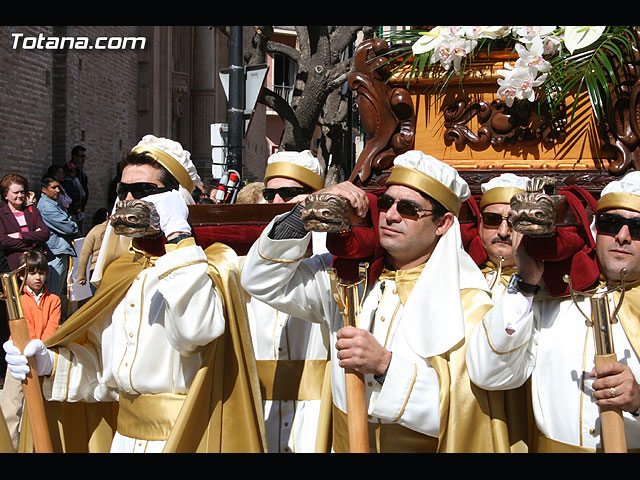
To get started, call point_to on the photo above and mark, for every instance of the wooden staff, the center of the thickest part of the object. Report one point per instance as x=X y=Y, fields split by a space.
x=613 y=435
x=30 y=385
x=346 y=296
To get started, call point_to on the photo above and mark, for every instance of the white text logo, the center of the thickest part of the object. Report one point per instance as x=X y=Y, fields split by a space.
x=42 y=42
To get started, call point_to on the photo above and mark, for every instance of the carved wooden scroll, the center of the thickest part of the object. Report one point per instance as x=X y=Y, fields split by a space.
x=500 y=125
x=620 y=131
x=387 y=113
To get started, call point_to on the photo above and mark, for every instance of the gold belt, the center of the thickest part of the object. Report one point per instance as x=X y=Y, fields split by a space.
x=148 y=417
x=383 y=437
x=291 y=379
x=548 y=445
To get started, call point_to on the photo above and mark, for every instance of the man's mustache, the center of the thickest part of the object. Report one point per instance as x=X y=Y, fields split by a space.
x=501 y=239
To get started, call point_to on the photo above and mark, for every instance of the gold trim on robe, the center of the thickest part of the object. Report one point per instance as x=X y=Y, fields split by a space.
x=222 y=411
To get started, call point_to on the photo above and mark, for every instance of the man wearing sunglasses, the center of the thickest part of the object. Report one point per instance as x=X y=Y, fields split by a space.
x=143 y=338
x=495 y=230
x=547 y=342
x=410 y=341
x=283 y=343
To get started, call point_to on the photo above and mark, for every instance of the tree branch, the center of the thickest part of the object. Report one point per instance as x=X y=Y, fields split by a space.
x=274 y=101
x=284 y=49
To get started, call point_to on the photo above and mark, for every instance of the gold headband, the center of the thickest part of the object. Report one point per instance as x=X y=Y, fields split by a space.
x=499 y=195
x=412 y=178
x=167 y=161
x=628 y=201
x=294 y=172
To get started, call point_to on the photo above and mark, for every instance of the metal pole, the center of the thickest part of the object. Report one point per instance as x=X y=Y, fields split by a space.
x=236 y=101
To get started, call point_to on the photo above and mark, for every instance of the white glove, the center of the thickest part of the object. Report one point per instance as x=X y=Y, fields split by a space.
x=17 y=363
x=173 y=212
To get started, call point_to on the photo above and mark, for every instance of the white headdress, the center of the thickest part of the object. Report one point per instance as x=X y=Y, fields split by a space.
x=623 y=193
x=500 y=189
x=177 y=161
x=430 y=328
x=300 y=166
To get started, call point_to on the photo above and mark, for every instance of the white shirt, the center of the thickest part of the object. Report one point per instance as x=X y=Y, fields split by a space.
x=152 y=341
x=410 y=394
x=552 y=345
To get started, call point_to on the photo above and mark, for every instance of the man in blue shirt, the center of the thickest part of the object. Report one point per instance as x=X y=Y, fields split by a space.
x=63 y=229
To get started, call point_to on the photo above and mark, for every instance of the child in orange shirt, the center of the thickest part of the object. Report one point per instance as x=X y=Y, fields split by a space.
x=42 y=313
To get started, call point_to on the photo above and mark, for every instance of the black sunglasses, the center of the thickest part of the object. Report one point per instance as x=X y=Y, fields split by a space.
x=610 y=223
x=404 y=207
x=286 y=193
x=139 y=190
x=493 y=220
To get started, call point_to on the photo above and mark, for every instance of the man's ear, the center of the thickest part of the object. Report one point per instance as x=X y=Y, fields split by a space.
x=445 y=223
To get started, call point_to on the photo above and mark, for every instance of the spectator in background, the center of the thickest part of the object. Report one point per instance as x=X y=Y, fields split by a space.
x=76 y=168
x=62 y=231
x=42 y=313
x=57 y=171
x=72 y=185
x=91 y=247
x=21 y=225
x=210 y=191
x=251 y=193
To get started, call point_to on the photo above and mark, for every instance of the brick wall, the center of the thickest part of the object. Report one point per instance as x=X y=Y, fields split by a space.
x=53 y=100
x=26 y=106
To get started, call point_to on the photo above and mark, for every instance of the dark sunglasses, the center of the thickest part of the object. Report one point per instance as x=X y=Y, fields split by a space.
x=493 y=220
x=139 y=190
x=286 y=193
x=610 y=223
x=404 y=207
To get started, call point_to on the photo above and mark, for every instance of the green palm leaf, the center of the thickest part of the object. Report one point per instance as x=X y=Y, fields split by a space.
x=591 y=70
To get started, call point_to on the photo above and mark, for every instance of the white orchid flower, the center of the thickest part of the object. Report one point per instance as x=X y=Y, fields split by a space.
x=533 y=56
x=551 y=44
x=519 y=83
x=428 y=40
x=493 y=32
x=452 y=50
x=527 y=34
x=580 y=37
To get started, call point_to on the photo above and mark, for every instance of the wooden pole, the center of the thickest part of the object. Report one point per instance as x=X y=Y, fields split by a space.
x=613 y=434
x=614 y=438
x=357 y=412
x=357 y=419
x=30 y=385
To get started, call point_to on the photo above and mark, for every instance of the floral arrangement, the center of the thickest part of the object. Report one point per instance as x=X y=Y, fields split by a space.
x=549 y=62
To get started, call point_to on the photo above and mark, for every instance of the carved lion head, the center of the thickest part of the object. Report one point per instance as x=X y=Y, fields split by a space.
x=135 y=218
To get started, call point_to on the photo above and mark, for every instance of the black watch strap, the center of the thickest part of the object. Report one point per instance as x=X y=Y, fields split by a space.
x=516 y=284
x=179 y=238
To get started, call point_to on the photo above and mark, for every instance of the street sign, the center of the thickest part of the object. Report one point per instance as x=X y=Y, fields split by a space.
x=255 y=76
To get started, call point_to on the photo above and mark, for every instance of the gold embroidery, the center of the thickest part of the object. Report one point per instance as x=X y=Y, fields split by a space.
x=486 y=331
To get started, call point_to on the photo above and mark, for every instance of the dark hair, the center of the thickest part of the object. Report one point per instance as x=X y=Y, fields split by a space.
x=11 y=178
x=35 y=260
x=100 y=216
x=46 y=181
x=438 y=209
x=77 y=149
x=144 y=158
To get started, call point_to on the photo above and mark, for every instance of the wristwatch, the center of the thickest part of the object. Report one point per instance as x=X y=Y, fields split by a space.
x=516 y=284
x=180 y=237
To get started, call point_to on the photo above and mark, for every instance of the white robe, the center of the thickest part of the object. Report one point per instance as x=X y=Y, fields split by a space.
x=148 y=350
x=291 y=425
x=410 y=394
x=552 y=345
